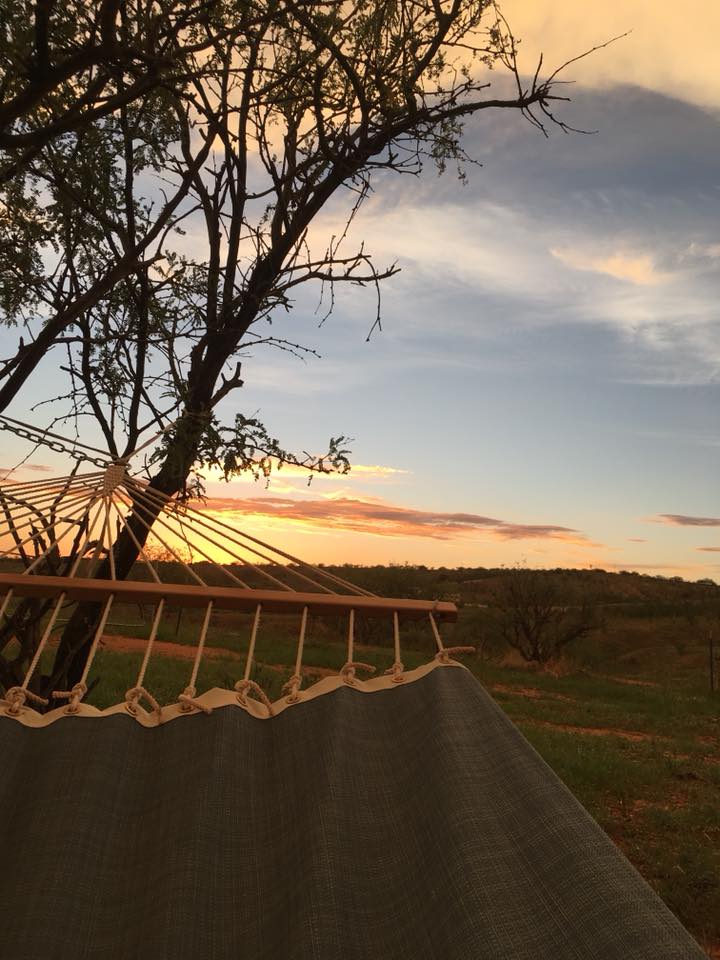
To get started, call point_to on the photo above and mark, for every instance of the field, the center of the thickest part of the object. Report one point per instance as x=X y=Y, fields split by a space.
x=626 y=717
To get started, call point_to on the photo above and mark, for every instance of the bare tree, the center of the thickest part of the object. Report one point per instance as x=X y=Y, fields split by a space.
x=535 y=617
x=288 y=105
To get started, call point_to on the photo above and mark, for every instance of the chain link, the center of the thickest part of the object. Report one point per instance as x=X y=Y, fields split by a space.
x=39 y=437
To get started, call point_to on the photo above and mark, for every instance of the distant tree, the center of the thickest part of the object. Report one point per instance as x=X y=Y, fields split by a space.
x=534 y=616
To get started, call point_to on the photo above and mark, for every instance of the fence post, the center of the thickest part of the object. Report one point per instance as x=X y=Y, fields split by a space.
x=713 y=675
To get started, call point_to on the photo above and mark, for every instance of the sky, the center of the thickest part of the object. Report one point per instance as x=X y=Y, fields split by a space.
x=545 y=387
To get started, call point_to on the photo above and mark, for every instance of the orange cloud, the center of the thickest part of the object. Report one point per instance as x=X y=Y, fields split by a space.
x=638 y=269
x=708 y=549
x=385 y=519
x=672 y=47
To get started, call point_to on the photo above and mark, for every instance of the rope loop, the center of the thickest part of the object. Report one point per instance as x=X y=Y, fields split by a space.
x=74 y=696
x=347 y=671
x=443 y=656
x=243 y=687
x=188 y=701
x=133 y=697
x=396 y=670
x=292 y=687
x=16 y=697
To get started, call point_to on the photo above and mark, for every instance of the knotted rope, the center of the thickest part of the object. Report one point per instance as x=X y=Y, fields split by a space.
x=16 y=697
x=398 y=668
x=396 y=671
x=74 y=696
x=293 y=684
x=347 y=671
x=243 y=687
x=188 y=701
x=292 y=687
x=133 y=697
x=187 y=697
x=78 y=691
x=443 y=654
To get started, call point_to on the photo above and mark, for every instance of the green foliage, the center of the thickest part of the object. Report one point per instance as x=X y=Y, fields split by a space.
x=248 y=447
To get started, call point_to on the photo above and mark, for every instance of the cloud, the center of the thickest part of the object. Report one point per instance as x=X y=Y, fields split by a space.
x=701 y=253
x=681 y=520
x=672 y=47
x=655 y=568
x=380 y=518
x=634 y=268
x=367 y=471
x=6 y=472
x=291 y=479
x=708 y=549
x=636 y=540
x=375 y=471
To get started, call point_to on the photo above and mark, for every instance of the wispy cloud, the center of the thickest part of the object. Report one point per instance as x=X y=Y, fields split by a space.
x=682 y=520
x=294 y=479
x=6 y=472
x=653 y=567
x=708 y=549
x=639 y=269
x=380 y=518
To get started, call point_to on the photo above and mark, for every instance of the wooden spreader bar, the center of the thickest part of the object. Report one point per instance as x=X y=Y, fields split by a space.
x=227 y=598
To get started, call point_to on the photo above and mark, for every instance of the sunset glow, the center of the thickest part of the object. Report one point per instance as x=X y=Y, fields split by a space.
x=545 y=386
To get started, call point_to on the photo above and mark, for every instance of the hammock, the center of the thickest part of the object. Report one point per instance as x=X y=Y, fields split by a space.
x=400 y=816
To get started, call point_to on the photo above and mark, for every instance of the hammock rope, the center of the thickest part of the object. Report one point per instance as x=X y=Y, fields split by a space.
x=187 y=698
x=347 y=671
x=246 y=685
x=78 y=691
x=138 y=692
x=397 y=670
x=293 y=684
x=48 y=518
x=445 y=653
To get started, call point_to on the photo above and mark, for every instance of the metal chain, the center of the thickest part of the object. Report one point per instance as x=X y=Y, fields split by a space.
x=37 y=436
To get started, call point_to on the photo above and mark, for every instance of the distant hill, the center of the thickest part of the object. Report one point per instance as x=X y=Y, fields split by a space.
x=477 y=584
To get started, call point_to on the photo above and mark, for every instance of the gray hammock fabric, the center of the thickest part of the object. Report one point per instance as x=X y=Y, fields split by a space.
x=409 y=824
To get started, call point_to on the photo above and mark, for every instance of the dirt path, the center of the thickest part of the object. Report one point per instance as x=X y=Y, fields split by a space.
x=626 y=680
x=532 y=692
x=178 y=651
x=634 y=735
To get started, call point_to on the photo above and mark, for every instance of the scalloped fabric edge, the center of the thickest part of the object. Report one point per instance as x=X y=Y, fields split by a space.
x=218 y=697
